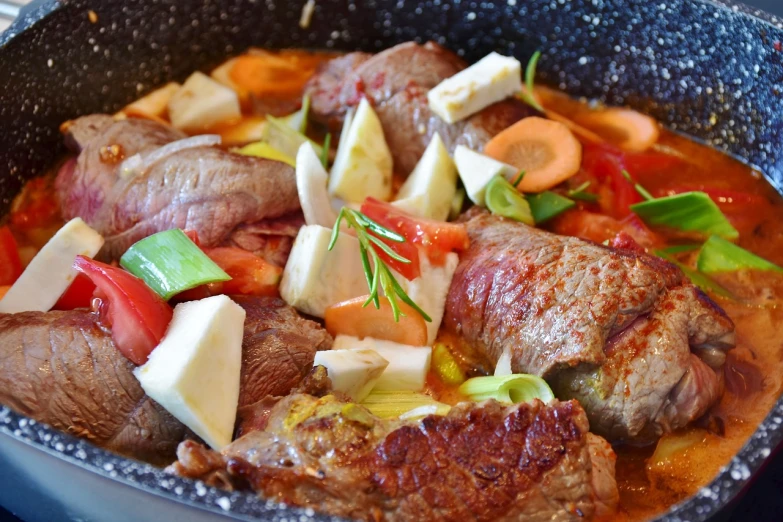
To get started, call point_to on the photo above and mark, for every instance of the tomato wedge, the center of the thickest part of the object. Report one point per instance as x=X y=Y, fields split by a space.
x=250 y=275
x=434 y=238
x=137 y=316
x=10 y=263
x=78 y=295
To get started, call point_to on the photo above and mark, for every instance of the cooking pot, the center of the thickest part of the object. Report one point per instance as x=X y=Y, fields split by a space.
x=711 y=70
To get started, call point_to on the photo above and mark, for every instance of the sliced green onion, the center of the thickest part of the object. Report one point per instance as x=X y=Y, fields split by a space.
x=640 y=189
x=325 y=151
x=689 y=211
x=527 y=95
x=718 y=255
x=697 y=278
x=298 y=120
x=548 y=204
x=504 y=200
x=389 y=404
x=508 y=389
x=445 y=365
x=456 y=204
x=170 y=263
x=261 y=149
x=581 y=193
x=519 y=177
x=285 y=139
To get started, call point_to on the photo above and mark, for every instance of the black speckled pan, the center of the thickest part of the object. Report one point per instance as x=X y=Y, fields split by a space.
x=710 y=70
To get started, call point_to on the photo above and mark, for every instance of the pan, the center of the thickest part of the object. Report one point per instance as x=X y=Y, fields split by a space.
x=711 y=70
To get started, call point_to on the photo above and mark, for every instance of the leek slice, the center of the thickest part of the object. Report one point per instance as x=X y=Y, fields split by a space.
x=170 y=263
x=548 y=204
x=697 y=278
x=389 y=404
x=298 y=120
x=446 y=366
x=504 y=200
x=719 y=255
x=508 y=389
x=285 y=139
x=689 y=211
x=262 y=149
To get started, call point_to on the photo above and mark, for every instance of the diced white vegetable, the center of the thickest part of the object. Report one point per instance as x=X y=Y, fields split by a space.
x=311 y=179
x=429 y=290
x=155 y=104
x=434 y=178
x=354 y=372
x=413 y=205
x=503 y=367
x=363 y=165
x=491 y=79
x=315 y=278
x=408 y=365
x=194 y=371
x=222 y=75
x=51 y=271
x=477 y=170
x=201 y=103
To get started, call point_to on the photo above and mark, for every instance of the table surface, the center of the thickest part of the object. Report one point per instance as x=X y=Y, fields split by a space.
x=764 y=501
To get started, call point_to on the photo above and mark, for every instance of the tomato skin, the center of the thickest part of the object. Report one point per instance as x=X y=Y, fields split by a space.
x=599 y=227
x=250 y=275
x=78 y=295
x=605 y=164
x=10 y=263
x=434 y=238
x=137 y=316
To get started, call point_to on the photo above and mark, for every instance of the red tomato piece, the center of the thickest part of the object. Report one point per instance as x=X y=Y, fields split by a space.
x=724 y=198
x=10 y=263
x=250 y=274
x=78 y=295
x=600 y=228
x=137 y=316
x=605 y=164
x=435 y=238
x=36 y=206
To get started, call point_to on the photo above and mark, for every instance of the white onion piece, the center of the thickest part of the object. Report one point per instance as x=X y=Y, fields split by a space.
x=139 y=163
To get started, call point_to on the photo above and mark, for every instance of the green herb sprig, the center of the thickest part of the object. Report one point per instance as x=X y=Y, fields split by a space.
x=530 y=75
x=581 y=193
x=381 y=277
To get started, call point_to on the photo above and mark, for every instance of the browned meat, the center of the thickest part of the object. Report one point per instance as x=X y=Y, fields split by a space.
x=205 y=189
x=62 y=369
x=271 y=239
x=617 y=329
x=278 y=348
x=482 y=462
x=396 y=82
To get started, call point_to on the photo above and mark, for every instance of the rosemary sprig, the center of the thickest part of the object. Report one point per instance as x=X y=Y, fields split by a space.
x=381 y=278
x=581 y=193
x=527 y=95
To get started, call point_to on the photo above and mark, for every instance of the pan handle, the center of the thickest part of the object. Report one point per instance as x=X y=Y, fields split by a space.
x=9 y=11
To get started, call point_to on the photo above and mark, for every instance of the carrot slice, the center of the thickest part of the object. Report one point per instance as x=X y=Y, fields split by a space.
x=268 y=75
x=626 y=128
x=546 y=150
x=351 y=317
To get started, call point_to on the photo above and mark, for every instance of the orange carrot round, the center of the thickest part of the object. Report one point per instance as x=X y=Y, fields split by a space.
x=626 y=128
x=546 y=150
x=351 y=317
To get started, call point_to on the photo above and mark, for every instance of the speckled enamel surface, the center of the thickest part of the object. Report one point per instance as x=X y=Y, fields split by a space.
x=710 y=70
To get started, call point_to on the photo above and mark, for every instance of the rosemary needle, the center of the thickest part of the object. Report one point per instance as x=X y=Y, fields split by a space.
x=369 y=244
